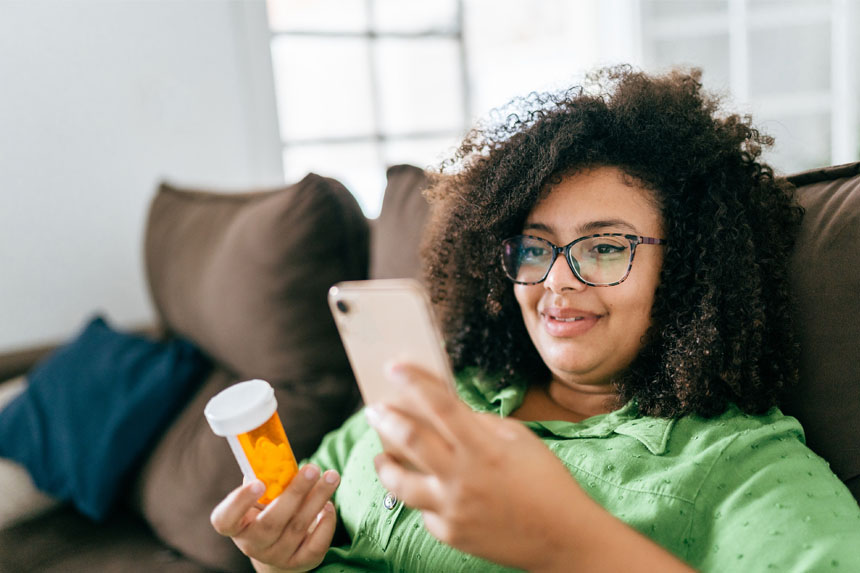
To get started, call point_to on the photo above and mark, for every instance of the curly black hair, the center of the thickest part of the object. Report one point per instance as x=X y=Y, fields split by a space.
x=721 y=321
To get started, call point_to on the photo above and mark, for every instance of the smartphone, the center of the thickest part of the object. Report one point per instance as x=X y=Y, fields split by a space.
x=387 y=320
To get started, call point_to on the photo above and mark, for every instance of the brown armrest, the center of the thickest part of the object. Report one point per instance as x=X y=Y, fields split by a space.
x=15 y=363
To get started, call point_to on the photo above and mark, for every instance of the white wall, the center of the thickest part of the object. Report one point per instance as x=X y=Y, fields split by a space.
x=99 y=100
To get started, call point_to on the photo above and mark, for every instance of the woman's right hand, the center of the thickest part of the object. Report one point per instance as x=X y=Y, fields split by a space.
x=293 y=532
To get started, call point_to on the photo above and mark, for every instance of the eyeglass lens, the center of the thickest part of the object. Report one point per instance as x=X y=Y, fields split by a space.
x=597 y=260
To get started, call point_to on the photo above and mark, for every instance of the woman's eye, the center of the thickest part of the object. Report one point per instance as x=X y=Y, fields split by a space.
x=533 y=252
x=608 y=249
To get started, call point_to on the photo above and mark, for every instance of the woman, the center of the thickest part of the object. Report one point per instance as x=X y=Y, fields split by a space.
x=610 y=271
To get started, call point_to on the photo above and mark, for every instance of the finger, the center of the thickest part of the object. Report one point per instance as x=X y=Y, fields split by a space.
x=303 y=518
x=229 y=517
x=501 y=430
x=280 y=510
x=437 y=526
x=428 y=397
x=317 y=542
x=277 y=524
x=417 y=490
x=411 y=440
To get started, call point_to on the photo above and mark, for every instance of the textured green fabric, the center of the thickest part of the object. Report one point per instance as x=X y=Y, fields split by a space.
x=731 y=493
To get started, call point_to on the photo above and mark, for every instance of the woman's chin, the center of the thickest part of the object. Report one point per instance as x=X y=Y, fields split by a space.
x=573 y=373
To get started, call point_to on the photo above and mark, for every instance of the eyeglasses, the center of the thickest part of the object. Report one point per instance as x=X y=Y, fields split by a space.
x=596 y=260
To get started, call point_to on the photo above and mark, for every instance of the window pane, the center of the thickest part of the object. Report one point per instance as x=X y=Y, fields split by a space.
x=318 y=15
x=519 y=46
x=420 y=85
x=327 y=95
x=802 y=141
x=770 y=5
x=795 y=58
x=414 y=15
x=356 y=165
x=710 y=53
x=658 y=8
x=427 y=153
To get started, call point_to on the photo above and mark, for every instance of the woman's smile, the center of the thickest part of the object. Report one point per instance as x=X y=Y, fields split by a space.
x=566 y=322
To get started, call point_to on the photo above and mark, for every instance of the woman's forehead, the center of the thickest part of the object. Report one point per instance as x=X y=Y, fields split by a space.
x=596 y=199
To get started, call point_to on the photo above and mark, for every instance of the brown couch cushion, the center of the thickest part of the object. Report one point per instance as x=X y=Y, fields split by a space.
x=396 y=234
x=826 y=280
x=64 y=541
x=245 y=276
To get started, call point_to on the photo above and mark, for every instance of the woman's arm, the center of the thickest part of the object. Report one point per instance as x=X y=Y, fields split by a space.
x=488 y=486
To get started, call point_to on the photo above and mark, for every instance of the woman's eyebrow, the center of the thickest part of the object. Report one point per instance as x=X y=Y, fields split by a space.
x=596 y=226
x=536 y=227
x=585 y=228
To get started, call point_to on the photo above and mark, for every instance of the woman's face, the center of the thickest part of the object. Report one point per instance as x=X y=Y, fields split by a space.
x=586 y=335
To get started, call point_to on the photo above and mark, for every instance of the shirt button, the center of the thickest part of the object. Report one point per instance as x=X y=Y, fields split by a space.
x=389 y=501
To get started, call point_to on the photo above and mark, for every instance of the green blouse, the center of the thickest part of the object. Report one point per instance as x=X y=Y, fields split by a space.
x=731 y=493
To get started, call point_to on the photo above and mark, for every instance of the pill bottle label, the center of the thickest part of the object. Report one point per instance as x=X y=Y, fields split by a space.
x=270 y=456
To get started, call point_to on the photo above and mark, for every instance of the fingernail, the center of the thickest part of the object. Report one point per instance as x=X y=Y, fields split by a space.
x=373 y=416
x=395 y=371
x=258 y=488
x=331 y=476
x=310 y=472
x=385 y=475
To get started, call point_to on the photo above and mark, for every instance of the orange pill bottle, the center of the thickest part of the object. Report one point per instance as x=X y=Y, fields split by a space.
x=247 y=415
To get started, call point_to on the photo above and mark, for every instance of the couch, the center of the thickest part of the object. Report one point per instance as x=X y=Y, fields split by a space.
x=243 y=276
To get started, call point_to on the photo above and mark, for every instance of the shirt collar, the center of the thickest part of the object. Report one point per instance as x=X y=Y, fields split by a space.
x=652 y=432
x=483 y=393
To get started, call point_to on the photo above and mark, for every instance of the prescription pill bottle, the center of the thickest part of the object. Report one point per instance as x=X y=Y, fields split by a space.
x=247 y=415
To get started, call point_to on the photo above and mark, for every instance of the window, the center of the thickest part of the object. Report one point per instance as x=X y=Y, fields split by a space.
x=791 y=63
x=364 y=84
x=387 y=84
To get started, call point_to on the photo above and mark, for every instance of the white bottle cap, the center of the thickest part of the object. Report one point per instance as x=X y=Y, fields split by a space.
x=241 y=408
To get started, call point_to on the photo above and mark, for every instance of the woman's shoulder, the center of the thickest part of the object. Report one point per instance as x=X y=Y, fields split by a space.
x=763 y=494
x=739 y=443
x=734 y=429
x=734 y=424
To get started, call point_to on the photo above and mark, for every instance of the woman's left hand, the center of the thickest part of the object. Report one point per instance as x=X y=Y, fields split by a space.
x=485 y=485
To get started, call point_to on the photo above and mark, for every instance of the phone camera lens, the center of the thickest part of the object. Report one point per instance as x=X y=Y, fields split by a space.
x=342 y=306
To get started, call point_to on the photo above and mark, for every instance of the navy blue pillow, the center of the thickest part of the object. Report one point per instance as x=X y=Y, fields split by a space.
x=93 y=408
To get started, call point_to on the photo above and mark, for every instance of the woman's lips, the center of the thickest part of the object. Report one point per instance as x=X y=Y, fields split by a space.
x=568 y=322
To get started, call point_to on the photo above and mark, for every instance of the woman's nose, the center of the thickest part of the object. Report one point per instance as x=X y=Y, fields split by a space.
x=561 y=277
